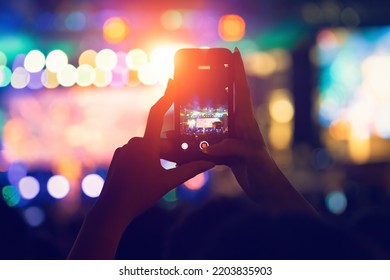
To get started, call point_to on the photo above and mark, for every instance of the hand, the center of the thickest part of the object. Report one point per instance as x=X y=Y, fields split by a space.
x=135 y=181
x=251 y=161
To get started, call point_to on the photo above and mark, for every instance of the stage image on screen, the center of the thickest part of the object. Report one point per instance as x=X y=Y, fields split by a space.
x=354 y=90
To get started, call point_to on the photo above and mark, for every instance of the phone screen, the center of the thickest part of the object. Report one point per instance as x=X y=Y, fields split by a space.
x=204 y=100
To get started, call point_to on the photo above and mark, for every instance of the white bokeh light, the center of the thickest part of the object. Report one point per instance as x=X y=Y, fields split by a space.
x=58 y=186
x=29 y=187
x=92 y=185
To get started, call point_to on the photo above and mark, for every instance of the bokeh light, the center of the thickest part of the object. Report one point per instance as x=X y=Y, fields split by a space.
x=67 y=77
x=260 y=64
x=280 y=106
x=34 y=61
x=76 y=21
x=20 y=78
x=102 y=78
x=49 y=79
x=86 y=75
x=29 y=187
x=5 y=76
x=56 y=61
x=18 y=61
x=106 y=59
x=58 y=186
x=171 y=19
x=336 y=202
x=115 y=30
x=35 y=81
x=88 y=57
x=34 y=216
x=3 y=59
x=196 y=182
x=10 y=195
x=92 y=185
x=231 y=27
x=16 y=171
x=136 y=58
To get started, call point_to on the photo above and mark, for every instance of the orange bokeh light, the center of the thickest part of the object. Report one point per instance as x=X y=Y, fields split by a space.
x=115 y=30
x=231 y=27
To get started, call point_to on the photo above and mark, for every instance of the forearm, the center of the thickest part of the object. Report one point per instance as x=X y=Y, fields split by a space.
x=99 y=236
x=271 y=189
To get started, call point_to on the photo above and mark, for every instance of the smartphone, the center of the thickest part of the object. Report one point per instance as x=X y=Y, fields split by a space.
x=204 y=100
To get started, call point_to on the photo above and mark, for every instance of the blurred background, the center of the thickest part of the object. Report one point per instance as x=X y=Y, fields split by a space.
x=77 y=79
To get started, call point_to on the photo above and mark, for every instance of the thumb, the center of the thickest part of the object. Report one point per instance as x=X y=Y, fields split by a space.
x=179 y=175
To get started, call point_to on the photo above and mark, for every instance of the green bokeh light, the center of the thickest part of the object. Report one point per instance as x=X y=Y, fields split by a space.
x=11 y=195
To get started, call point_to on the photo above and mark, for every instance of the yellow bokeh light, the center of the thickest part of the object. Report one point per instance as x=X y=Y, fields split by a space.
x=115 y=30
x=102 y=78
x=280 y=135
x=86 y=75
x=231 y=27
x=106 y=59
x=280 y=107
x=68 y=76
x=49 y=79
x=88 y=57
x=260 y=64
x=171 y=19
x=136 y=58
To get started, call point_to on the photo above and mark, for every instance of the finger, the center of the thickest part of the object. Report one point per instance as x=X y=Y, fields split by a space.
x=179 y=175
x=242 y=97
x=156 y=115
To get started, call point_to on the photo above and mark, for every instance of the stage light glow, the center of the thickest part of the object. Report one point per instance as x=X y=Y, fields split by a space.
x=34 y=216
x=171 y=19
x=115 y=30
x=136 y=58
x=49 y=79
x=88 y=57
x=35 y=81
x=231 y=27
x=148 y=74
x=163 y=58
x=56 y=61
x=280 y=106
x=106 y=59
x=197 y=182
x=102 y=78
x=382 y=124
x=166 y=164
x=34 y=61
x=336 y=201
x=92 y=185
x=58 y=186
x=5 y=76
x=67 y=77
x=3 y=59
x=29 y=187
x=86 y=75
x=20 y=78
x=10 y=195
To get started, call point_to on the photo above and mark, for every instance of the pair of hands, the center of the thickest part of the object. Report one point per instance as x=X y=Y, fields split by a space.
x=136 y=179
